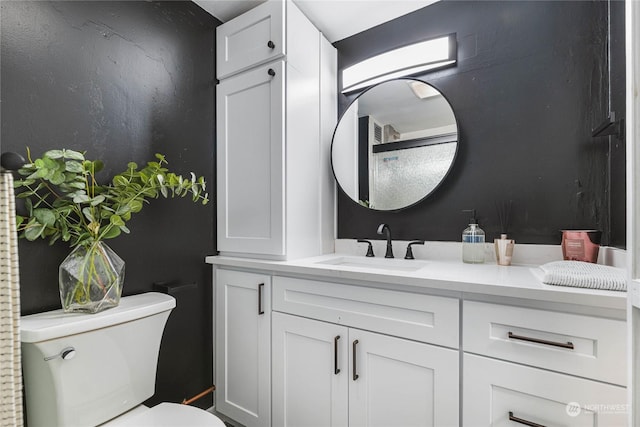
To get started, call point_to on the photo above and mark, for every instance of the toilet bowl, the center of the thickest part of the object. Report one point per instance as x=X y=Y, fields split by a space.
x=97 y=369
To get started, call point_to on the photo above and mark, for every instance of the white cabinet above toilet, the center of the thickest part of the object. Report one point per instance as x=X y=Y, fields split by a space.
x=276 y=110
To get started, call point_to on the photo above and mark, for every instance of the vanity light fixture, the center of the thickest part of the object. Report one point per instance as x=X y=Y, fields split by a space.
x=418 y=57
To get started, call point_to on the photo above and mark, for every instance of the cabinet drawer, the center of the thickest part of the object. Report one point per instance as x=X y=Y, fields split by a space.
x=252 y=38
x=418 y=317
x=581 y=345
x=494 y=391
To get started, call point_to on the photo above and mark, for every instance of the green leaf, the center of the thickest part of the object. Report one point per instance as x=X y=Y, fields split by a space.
x=54 y=154
x=57 y=178
x=50 y=163
x=75 y=155
x=54 y=239
x=135 y=205
x=98 y=165
x=38 y=174
x=111 y=233
x=81 y=198
x=97 y=200
x=19 y=220
x=45 y=216
x=87 y=214
x=120 y=181
x=132 y=166
x=23 y=183
x=77 y=185
x=73 y=166
x=34 y=231
x=29 y=205
x=116 y=220
x=124 y=229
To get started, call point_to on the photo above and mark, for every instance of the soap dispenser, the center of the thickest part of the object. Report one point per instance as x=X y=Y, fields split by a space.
x=473 y=241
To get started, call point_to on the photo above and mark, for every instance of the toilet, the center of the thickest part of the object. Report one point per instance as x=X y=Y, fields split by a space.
x=97 y=369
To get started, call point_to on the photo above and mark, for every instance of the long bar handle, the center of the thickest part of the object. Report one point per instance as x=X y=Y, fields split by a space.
x=260 y=288
x=355 y=370
x=568 y=344
x=336 y=370
x=523 y=421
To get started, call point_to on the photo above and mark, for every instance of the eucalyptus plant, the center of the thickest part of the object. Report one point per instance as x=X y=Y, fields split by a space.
x=64 y=201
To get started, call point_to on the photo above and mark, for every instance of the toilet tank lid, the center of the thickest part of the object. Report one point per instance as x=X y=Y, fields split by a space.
x=56 y=324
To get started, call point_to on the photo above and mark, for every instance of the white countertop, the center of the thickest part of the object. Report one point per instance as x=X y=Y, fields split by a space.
x=514 y=281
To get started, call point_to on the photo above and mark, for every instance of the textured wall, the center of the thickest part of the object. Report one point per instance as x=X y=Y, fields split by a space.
x=122 y=81
x=531 y=82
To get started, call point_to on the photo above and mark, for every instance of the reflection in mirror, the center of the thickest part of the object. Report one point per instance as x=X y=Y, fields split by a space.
x=394 y=144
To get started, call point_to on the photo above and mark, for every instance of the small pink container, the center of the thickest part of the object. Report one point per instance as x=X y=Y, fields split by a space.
x=581 y=245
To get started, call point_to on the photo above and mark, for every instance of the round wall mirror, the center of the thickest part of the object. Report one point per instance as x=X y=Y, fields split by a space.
x=394 y=144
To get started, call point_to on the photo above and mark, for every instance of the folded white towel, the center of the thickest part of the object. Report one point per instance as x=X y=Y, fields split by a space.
x=584 y=275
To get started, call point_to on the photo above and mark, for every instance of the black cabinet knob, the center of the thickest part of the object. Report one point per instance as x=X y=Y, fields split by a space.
x=271 y=72
x=271 y=45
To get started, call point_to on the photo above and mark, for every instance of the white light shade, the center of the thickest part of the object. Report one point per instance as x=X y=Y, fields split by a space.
x=404 y=61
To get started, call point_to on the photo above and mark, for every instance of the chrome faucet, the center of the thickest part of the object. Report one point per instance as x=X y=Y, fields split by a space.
x=384 y=228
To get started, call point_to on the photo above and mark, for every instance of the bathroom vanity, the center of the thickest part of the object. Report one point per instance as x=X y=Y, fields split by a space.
x=347 y=340
x=342 y=339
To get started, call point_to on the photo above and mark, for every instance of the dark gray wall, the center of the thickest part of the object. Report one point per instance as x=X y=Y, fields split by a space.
x=531 y=83
x=122 y=81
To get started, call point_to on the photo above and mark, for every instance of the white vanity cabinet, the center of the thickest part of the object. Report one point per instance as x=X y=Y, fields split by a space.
x=276 y=110
x=334 y=374
x=541 y=368
x=243 y=346
x=348 y=348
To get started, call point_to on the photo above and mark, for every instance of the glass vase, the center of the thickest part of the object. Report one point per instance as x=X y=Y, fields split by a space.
x=91 y=279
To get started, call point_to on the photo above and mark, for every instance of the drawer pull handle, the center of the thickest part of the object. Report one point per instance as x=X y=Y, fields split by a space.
x=260 y=288
x=523 y=421
x=271 y=72
x=568 y=345
x=355 y=370
x=336 y=370
x=271 y=45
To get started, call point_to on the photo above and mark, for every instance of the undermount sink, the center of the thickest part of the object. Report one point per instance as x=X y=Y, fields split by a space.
x=377 y=263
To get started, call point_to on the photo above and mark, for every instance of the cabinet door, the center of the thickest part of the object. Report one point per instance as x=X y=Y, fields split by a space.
x=397 y=382
x=242 y=374
x=309 y=373
x=253 y=38
x=250 y=200
x=498 y=393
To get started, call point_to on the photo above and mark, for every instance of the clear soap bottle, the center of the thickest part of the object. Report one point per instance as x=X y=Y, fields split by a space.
x=473 y=241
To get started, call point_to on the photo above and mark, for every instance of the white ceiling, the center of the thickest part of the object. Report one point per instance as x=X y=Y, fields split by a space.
x=336 y=19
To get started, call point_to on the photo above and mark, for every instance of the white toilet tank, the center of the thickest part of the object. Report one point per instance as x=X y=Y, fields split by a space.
x=85 y=369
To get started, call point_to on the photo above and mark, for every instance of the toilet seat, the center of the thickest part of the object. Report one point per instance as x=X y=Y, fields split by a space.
x=168 y=415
